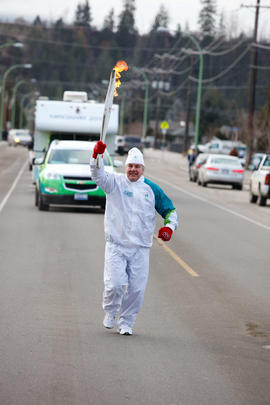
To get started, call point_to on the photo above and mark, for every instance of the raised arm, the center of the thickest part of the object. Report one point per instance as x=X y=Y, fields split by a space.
x=102 y=178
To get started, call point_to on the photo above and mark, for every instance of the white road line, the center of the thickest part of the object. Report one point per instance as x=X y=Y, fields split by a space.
x=3 y=203
x=212 y=203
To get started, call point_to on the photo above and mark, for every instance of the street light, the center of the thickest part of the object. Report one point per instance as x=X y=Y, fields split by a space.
x=36 y=94
x=17 y=85
x=13 y=113
x=146 y=96
x=199 y=88
x=25 y=66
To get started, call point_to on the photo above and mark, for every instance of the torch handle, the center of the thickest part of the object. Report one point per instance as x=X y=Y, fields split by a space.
x=107 y=110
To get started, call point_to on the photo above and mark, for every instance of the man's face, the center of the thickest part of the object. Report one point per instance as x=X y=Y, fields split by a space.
x=134 y=171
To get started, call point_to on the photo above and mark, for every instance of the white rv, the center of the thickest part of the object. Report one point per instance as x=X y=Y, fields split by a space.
x=73 y=118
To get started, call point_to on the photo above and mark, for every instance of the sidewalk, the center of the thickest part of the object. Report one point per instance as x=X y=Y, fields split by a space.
x=173 y=159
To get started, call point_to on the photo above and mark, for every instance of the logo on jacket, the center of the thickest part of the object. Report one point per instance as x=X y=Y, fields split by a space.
x=146 y=195
x=128 y=193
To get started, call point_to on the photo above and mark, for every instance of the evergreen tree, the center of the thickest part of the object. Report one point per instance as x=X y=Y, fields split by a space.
x=78 y=15
x=214 y=112
x=126 y=31
x=207 y=18
x=221 y=26
x=161 y=19
x=109 y=21
x=127 y=18
x=37 y=22
x=83 y=15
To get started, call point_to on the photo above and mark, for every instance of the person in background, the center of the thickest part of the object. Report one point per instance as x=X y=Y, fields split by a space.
x=234 y=152
x=130 y=217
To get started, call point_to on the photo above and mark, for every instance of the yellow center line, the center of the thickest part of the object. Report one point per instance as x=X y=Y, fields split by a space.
x=177 y=258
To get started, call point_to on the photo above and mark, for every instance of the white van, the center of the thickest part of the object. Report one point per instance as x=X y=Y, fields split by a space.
x=217 y=146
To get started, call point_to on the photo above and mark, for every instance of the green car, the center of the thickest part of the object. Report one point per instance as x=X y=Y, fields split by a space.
x=64 y=176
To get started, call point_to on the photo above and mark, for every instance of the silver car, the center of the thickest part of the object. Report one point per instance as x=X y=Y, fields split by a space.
x=19 y=137
x=124 y=143
x=194 y=168
x=221 y=169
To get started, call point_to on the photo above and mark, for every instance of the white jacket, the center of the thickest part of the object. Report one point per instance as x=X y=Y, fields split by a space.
x=130 y=215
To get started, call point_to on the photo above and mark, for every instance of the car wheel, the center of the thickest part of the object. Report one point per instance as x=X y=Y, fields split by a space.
x=36 y=197
x=262 y=200
x=204 y=184
x=237 y=186
x=252 y=197
x=41 y=205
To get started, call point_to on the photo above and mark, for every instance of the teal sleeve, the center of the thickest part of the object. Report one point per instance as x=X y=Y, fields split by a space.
x=163 y=204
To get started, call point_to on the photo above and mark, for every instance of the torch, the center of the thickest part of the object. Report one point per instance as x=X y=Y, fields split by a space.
x=114 y=83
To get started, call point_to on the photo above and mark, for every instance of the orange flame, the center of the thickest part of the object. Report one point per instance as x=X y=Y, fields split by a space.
x=119 y=67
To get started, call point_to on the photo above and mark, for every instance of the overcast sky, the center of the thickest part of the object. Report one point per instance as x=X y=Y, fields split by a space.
x=180 y=12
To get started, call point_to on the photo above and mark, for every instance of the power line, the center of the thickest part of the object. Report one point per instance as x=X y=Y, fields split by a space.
x=255 y=45
x=221 y=74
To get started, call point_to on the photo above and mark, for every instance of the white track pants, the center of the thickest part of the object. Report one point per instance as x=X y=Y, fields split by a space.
x=125 y=278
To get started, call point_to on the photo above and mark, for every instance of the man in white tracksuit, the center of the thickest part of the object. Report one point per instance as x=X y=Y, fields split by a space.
x=130 y=217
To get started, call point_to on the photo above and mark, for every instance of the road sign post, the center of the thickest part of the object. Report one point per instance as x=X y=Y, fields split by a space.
x=164 y=128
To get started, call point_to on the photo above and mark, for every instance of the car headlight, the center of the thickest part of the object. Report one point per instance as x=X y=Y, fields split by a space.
x=17 y=140
x=51 y=176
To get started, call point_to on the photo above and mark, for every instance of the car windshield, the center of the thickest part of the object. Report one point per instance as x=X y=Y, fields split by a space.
x=133 y=139
x=201 y=158
x=224 y=161
x=267 y=162
x=72 y=156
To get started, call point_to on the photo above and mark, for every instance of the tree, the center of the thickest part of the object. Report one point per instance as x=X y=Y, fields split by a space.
x=83 y=15
x=161 y=19
x=207 y=18
x=126 y=31
x=264 y=124
x=214 y=112
x=37 y=22
x=109 y=21
x=221 y=26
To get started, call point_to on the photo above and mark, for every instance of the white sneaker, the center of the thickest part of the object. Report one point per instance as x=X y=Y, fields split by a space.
x=125 y=330
x=109 y=321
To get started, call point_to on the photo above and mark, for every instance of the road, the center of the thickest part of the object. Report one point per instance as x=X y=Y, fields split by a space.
x=203 y=335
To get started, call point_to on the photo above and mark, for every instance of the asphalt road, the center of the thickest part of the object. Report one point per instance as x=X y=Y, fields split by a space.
x=203 y=335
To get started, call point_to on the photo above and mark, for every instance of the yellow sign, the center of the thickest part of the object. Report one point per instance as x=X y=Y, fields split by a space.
x=164 y=125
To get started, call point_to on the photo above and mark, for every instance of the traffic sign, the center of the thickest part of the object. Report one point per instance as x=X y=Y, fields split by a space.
x=164 y=125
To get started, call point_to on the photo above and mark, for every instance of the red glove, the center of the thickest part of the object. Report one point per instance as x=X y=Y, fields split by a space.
x=99 y=149
x=165 y=233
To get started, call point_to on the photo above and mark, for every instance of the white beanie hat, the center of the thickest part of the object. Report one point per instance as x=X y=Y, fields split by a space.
x=135 y=156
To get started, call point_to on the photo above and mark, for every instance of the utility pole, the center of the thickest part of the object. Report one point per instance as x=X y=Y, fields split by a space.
x=252 y=88
x=157 y=117
x=186 y=137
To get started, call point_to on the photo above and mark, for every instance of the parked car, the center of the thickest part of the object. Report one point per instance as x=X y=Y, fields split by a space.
x=19 y=137
x=224 y=147
x=64 y=176
x=126 y=142
x=221 y=169
x=194 y=168
x=256 y=160
x=259 y=185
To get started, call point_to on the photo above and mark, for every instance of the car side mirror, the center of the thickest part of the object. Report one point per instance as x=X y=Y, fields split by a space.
x=38 y=161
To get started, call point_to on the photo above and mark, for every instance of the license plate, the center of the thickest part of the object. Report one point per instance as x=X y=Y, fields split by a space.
x=80 y=197
x=225 y=171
